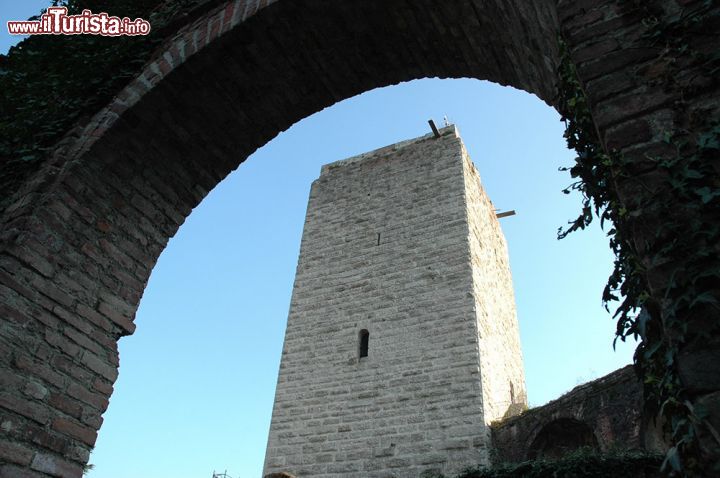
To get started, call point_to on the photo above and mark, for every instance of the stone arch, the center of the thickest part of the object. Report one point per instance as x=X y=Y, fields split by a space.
x=559 y=437
x=79 y=239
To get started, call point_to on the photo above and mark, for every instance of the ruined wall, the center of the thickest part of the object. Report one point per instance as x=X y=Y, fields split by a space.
x=386 y=249
x=79 y=239
x=609 y=407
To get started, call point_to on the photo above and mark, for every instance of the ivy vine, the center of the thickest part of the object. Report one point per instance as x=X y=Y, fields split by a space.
x=51 y=83
x=674 y=210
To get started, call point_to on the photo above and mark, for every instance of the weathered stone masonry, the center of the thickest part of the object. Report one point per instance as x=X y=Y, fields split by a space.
x=79 y=239
x=401 y=242
x=609 y=409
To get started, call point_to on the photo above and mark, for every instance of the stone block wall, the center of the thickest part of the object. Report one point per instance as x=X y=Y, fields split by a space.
x=503 y=376
x=396 y=242
x=79 y=238
x=609 y=408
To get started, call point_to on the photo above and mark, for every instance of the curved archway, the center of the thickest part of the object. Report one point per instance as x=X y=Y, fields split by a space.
x=82 y=236
x=243 y=241
x=82 y=239
x=559 y=437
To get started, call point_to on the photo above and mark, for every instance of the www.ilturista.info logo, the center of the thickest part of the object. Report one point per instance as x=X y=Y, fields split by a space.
x=56 y=21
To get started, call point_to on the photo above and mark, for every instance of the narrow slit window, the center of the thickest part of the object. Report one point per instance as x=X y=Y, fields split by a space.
x=364 y=343
x=378 y=242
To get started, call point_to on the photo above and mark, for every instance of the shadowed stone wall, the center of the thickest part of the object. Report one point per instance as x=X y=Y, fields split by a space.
x=78 y=241
x=609 y=409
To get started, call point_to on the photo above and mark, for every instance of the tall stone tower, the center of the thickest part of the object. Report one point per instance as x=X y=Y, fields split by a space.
x=402 y=341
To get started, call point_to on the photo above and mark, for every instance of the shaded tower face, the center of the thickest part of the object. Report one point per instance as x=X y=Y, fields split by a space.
x=402 y=342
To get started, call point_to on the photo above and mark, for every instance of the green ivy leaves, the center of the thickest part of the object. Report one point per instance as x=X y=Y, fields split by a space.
x=51 y=82
x=685 y=202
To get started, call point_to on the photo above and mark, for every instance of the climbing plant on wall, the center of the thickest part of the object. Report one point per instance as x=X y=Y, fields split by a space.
x=667 y=268
x=47 y=91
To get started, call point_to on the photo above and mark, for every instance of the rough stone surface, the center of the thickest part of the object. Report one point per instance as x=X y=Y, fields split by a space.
x=610 y=408
x=404 y=243
x=79 y=239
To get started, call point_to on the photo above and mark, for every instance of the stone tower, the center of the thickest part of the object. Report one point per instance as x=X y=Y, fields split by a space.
x=402 y=341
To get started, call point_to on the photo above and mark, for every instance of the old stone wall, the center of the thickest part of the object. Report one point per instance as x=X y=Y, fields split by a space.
x=503 y=376
x=649 y=92
x=79 y=239
x=604 y=414
x=386 y=249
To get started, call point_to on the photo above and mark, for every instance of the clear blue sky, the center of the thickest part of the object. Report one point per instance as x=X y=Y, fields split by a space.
x=197 y=379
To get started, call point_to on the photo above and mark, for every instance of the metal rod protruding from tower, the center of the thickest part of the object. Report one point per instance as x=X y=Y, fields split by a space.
x=434 y=128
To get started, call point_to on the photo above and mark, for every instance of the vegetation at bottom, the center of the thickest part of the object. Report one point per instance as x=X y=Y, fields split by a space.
x=581 y=463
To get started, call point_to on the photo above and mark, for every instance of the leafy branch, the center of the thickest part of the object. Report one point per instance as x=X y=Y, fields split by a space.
x=667 y=230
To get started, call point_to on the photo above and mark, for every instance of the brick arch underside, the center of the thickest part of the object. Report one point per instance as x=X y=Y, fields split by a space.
x=559 y=437
x=78 y=246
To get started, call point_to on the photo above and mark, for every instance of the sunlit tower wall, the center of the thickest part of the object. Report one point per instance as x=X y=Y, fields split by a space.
x=402 y=341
